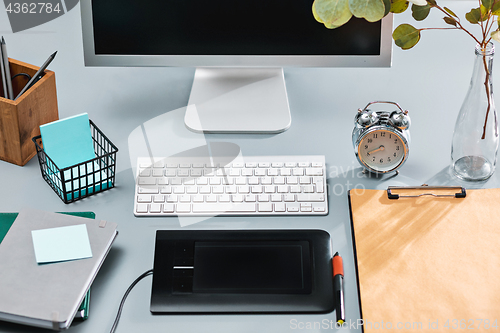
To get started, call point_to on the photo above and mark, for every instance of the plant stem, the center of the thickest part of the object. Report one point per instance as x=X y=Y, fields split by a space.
x=460 y=26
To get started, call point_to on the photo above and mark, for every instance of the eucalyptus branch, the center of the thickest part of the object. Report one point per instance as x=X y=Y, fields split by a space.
x=460 y=26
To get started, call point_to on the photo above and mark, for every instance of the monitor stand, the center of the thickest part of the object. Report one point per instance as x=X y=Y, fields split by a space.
x=238 y=100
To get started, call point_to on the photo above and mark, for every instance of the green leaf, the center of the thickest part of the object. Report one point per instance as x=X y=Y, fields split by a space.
x=477 y=15
x=450 y=21
x=399 y=6
x=450 y=12
x=387 y=4
x=332 y=13
x=406 y=36
x=495 y=10
x=371 y=10
x=487 y=4
x=496 y=35
x=420 y=13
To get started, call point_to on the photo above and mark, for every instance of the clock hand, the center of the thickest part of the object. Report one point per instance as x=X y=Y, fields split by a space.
x=375 y=150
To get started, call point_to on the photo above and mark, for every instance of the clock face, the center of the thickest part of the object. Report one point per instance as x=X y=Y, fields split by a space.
x=381 y=150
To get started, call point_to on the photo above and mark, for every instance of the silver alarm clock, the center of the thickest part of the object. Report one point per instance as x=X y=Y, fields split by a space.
x=381 y=139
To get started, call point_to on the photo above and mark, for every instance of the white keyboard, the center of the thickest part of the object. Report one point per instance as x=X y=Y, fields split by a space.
x=250 y=185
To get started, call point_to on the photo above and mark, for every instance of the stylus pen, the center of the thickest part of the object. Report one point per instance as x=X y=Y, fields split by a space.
x=338 y=287
x=7 y=69
x=2 y=72
x=37 y=75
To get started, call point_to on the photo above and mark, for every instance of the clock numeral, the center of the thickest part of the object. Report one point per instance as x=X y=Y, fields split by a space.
x=374 y=159
x=381 y=160
x=397 y=147
x=370 y=140
x=382 y=134
x=394 y=154
x=366 y=146
x=375 y=136
x=390 y=136
x=396 y=141
x=388 y=159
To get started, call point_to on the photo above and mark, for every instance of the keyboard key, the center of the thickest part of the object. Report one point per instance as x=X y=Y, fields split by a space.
x=168 y=208
x=211 y=198
x=159 y=198
x=266 y=180
x=244 y=189
x=305 y=207
x=223 y=208
x=142 y=208
x=158 y=173
x=310 y=197
x=147 y=181
x=265 y=207
x=237 y=198
x=256 y=189
x=185 y=198
x=224 y=198
x=147 y=190
x=263 y=198
x=279 y=180
x=283 y=189
x=305 y=180
x=166 y=190
x=155 y=208
x=314 y=172
x=276 y=197
x=171 y=198
x=198 y=198
x=183 y=208
x=178 y=189
x=279 y=207
x=218 y=189
x=250 y=198
x=260 y=172
x=143 y=198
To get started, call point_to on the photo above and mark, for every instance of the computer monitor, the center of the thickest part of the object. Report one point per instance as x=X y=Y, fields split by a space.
x=239 y=49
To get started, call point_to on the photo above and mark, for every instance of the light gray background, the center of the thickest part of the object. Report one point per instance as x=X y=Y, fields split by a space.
x=430 y=81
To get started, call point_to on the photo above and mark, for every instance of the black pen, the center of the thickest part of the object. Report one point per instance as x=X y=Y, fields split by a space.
x=37 y=75
x=338 y=287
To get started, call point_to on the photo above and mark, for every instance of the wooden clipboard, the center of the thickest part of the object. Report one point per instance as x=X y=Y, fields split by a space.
x=429 y=260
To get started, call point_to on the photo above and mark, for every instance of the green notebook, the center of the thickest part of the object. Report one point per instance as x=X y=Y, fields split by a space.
x=6 y=221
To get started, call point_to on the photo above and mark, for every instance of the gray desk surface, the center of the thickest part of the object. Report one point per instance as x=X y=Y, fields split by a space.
x=430 y=81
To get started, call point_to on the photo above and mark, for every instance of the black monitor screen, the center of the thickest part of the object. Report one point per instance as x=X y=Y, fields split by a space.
x=224 y=27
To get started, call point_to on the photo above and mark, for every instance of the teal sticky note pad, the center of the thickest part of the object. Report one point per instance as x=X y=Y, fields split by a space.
x=68 y=141
x=61 y=244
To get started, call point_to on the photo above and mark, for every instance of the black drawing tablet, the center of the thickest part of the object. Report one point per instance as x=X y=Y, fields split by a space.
x=246 y=271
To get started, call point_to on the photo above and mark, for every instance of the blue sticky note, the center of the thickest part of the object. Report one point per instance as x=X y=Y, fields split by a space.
x=68 y=141
x=61 y=244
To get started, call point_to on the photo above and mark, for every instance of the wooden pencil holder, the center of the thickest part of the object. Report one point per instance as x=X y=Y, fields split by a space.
x=20 y=119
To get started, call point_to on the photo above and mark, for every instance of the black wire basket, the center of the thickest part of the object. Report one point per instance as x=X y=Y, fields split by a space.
x=84 y=179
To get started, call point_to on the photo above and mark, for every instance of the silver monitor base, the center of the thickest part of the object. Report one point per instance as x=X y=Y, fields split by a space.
x=238 y=100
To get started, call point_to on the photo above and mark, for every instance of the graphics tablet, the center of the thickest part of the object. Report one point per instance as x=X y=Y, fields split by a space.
x=245 y=271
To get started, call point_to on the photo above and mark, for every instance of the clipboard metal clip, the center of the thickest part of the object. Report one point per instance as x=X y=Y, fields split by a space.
x=460 y=194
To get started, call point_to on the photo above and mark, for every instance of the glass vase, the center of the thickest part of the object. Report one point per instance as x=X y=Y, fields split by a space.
x=475 y=139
